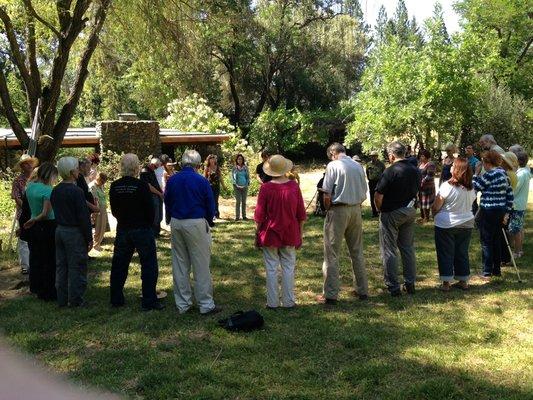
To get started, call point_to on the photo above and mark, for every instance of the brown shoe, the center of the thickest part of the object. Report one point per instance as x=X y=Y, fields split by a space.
x=460 y=285
x=445 y=286
x=321 y=299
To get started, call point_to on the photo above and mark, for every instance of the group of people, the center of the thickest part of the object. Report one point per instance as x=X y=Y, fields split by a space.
x=57 y=222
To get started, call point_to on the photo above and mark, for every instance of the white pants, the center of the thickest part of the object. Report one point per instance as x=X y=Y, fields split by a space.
x=24 y=254
x=191 y=248
x=286 y=258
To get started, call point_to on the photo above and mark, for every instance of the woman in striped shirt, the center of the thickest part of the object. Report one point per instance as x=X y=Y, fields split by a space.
x=495 y=206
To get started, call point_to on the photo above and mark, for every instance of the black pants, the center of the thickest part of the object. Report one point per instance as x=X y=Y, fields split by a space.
x=490 y=223
x=41 y=243
x=216 y=195
x=372 y=189
x=126 y=242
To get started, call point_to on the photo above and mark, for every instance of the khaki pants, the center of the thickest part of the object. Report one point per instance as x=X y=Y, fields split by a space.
x=284 y=257
x=191 y=249
x=343 y=222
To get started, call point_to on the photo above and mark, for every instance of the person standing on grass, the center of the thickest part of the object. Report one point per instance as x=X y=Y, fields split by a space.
x=471 y=157
x=73 y=237
x=213 y=174
x=374 y=170
x=521 y=193
x=190 y=203
x=446 y=174
x=395 y=198
x=345 y=189
x=132 y=206
x=26 y=164
x=262 y=177
x=81 y=182
x=241 y=181
x=496 y=204
x=94 y=159
x=426 y=193
x=149 y=176
x=454 y=222
x=100 y=224
x=279 y=217
x=41 y=229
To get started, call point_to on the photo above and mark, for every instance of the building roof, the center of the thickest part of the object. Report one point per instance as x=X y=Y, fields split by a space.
x=86 y=137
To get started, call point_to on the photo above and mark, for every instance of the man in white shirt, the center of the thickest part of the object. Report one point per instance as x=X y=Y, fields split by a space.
x=345 y=189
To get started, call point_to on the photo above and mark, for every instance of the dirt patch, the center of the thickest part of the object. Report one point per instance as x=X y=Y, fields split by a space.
x=12 y=282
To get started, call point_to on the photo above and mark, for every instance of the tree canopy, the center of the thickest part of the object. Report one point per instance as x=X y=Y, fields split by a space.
x=281 y=73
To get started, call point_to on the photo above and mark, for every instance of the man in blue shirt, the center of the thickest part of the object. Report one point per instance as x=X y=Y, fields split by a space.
x=190 y=203
x=472 y=159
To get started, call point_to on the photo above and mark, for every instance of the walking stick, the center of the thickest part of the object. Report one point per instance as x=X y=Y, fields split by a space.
x=311 y=201
x=512 y=256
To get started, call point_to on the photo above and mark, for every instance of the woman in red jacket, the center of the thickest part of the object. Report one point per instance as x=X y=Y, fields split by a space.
x=279 y=218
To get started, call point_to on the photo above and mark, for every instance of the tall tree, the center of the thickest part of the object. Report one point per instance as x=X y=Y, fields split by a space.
x=73 y=22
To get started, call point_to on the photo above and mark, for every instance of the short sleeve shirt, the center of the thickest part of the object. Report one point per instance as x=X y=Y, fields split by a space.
x=457 y=207
x=398 y=185
x=264 y=177
x=37 y=193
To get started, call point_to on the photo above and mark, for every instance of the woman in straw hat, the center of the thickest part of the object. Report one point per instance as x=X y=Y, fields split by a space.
x=279 y=218
x=510 y=166
x=25 y=165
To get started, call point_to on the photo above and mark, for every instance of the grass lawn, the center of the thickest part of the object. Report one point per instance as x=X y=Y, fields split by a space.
x=476 y=344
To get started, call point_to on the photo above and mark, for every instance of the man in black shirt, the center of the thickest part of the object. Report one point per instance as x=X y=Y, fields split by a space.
x=148 y=175
x=261 y=175
x=84 y=168
x=132 y=206
x=395 y=198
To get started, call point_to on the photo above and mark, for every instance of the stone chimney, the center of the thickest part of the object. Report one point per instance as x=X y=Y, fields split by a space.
x=127 y=117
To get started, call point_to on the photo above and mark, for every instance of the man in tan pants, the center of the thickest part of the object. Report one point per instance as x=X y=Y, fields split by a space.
x=345 y=187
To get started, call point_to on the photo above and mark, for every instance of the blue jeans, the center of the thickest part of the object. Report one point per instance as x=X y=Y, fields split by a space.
x=452 y=253
x=71 y=265
x=126 y=242
x=396 y=233
x=490 y=224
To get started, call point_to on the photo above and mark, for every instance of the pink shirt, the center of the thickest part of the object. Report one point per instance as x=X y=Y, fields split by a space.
x=279 y=211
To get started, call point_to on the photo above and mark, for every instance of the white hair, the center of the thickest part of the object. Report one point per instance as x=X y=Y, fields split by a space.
x=191 y=158
x=488 y=138
x=129 y=165
x=66 y=165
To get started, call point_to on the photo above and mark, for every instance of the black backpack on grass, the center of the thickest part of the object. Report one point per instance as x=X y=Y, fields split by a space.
x=243 y=321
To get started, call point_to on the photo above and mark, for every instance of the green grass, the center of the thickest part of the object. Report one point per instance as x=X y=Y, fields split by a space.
x=433 y=345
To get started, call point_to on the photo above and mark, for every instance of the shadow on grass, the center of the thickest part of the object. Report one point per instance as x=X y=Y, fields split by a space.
x=428 y=346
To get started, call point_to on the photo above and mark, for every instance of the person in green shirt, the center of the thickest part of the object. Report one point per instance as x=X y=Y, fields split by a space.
x=41 y=228
x=100 y=219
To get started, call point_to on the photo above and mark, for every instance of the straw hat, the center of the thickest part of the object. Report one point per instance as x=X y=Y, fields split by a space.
x=356 y=158
x=25 y=158
x=374 y=153
x=510 y=159
x=277 y=165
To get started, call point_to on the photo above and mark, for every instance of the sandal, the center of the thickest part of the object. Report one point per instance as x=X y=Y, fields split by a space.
x=444 y=286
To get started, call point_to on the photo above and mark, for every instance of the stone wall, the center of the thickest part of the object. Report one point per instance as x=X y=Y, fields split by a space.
x=139 y=137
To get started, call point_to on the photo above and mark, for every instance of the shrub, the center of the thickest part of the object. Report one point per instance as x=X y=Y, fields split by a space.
x=193 y=114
